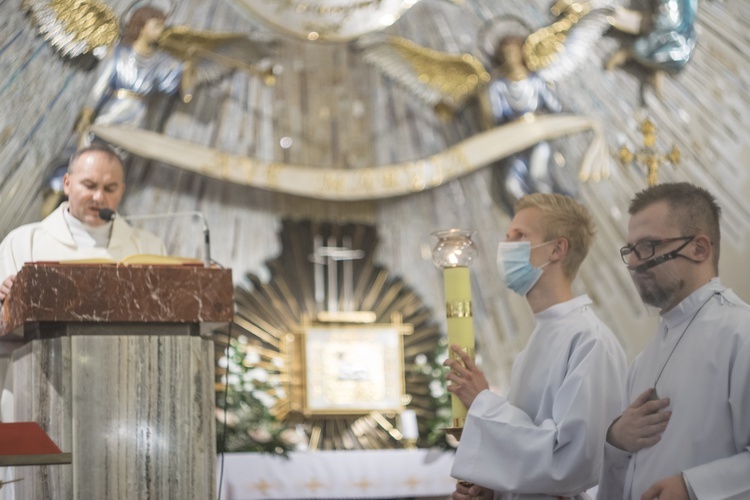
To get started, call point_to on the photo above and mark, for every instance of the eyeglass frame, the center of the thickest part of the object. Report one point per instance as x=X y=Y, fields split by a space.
x=628 y=249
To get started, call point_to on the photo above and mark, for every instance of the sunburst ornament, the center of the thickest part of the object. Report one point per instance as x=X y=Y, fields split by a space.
x=330 y=367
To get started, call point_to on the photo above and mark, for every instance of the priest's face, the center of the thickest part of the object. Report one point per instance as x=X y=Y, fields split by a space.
x=654 y=227
x=94 y=181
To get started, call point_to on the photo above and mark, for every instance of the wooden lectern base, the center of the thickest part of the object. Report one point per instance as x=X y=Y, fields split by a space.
x=25 y=443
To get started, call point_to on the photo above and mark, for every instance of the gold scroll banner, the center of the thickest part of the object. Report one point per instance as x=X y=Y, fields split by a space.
x=368 y=183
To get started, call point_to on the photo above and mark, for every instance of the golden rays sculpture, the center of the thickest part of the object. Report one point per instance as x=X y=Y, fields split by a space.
x=340 y=376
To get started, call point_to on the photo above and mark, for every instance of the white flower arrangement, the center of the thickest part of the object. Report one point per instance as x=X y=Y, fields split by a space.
x=252 y=393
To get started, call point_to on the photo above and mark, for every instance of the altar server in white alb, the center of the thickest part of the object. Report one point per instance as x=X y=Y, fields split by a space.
x=545 y=438
x=95 y=180
x=685 y=430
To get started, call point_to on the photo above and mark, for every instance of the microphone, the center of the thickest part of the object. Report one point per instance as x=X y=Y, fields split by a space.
x=108 y=214
x=659 y=260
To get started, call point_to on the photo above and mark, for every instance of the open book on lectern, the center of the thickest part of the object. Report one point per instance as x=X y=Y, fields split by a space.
x=140 y=259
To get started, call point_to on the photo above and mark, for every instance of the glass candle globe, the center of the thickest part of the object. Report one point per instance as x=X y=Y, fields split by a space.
x=454 y=248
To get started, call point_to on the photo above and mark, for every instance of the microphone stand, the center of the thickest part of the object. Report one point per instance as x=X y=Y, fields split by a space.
x=108 y=214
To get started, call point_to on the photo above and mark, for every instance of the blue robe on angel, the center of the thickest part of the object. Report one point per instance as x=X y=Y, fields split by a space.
x=519 y=85
x=532 y=170
x=127 y=80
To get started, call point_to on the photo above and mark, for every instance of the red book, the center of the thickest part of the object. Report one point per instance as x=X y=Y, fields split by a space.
x=25 y=443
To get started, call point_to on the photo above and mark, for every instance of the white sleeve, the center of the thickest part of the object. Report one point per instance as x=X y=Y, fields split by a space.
x=726 y=478
x=7 y=260
x=14 y=251
x=501 y=447
x=615 y=462
x=614 y=470
x=729 y=478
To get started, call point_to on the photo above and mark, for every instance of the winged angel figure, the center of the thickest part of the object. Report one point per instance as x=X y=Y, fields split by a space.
x=519 y=85
x=143 y=57
x=665 y=37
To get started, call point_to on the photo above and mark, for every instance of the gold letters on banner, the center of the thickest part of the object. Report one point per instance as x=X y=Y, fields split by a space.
x=364 y=183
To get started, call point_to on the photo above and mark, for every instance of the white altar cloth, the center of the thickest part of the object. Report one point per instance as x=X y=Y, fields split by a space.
x=338 y=474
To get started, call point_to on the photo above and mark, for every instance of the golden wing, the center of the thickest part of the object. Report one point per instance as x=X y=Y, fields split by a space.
x=556 y=50
x=75 y=27
x=212 y=55
x=437 y=78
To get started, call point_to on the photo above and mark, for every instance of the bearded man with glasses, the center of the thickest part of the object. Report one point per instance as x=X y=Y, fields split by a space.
x=686 y=432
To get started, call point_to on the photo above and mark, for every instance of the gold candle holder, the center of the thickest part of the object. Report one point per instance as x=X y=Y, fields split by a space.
x=454 y=253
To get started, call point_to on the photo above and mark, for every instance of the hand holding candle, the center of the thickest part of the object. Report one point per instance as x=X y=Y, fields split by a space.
x=454 y=252
x=467 y=381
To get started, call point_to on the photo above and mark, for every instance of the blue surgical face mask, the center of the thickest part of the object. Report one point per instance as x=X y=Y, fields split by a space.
x=513 y=263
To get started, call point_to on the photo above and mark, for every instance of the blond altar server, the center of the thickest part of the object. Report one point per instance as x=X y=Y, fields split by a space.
x=686 y=432
x=545 y=438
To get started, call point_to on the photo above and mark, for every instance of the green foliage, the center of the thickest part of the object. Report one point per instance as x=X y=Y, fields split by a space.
x=250 y=395
x=442 y=419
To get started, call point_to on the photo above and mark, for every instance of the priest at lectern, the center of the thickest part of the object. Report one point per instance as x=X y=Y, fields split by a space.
x=95 y=180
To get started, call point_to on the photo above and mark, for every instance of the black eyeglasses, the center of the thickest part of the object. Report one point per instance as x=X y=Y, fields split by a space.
x=646 y=249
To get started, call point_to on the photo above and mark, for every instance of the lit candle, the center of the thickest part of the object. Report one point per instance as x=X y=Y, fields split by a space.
x=454 y=252
x=460 y=324
x=409 y=427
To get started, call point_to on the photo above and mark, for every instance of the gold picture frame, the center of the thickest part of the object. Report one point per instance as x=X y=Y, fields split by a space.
x=349 y=369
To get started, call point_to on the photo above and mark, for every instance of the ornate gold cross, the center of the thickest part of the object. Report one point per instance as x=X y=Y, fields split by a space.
x=649 y=156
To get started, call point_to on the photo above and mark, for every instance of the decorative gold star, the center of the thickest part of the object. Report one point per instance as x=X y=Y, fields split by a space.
x=363 y=484
x=412 y=482
x=313 y=485
x=262 y=486
x=649 y=156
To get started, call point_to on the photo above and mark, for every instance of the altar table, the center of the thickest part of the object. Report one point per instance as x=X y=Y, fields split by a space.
x=338 y=474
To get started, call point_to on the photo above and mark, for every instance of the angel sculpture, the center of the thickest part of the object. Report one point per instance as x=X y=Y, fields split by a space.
x=519 y=86
x=146 y=60
x=140 y=61
x=665 y=37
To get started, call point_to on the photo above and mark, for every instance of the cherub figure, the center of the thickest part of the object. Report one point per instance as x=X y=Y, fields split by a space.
x=665 y=37
x=516 y=93
x=519 y=86
x=133 y=71
x=144 y=58
x=141 y=60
